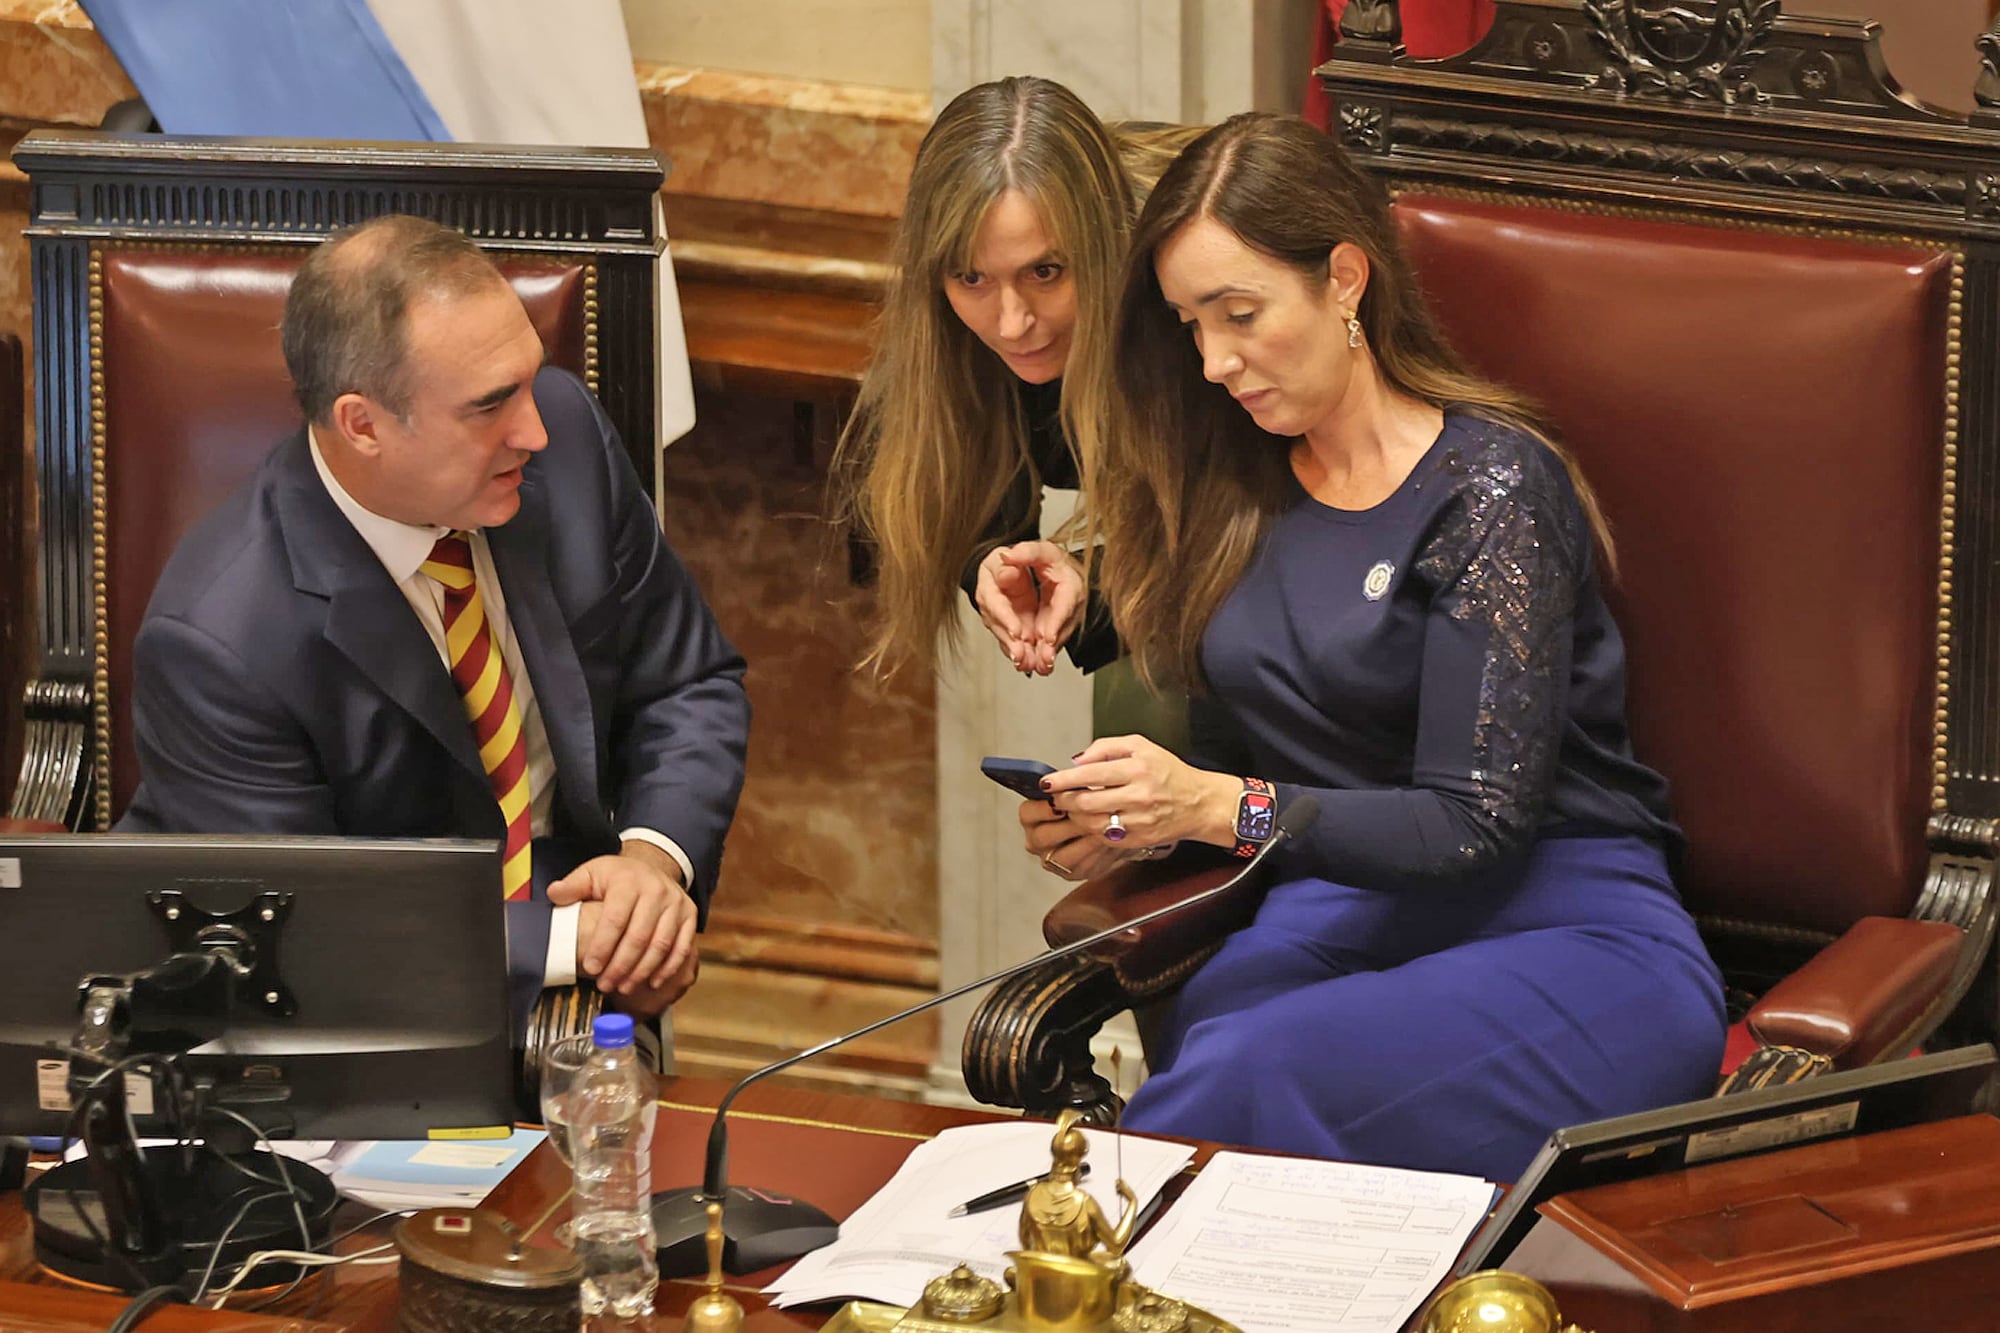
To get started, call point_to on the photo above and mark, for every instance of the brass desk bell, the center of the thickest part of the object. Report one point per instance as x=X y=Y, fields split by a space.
x=1069 y=1276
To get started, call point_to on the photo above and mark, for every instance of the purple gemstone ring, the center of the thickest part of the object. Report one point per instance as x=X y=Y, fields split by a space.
x=1115 y=830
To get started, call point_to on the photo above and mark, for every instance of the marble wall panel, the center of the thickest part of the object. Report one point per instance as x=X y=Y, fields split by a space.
x=826 y=916
x=15 y=286
x=839 y=810
x=784 y=141
x=54 y=68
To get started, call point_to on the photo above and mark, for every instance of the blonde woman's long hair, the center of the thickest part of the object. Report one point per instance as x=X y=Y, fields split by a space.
x=1184 y=483
x=937 y=436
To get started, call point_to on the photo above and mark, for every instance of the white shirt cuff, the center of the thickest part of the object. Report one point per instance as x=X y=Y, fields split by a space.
x=667 y=845
x=560 y=967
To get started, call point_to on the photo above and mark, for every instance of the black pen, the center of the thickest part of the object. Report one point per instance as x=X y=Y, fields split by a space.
x=1006 y=1194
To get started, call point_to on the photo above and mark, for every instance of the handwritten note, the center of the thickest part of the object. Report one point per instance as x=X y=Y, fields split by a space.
x=1281 y=1245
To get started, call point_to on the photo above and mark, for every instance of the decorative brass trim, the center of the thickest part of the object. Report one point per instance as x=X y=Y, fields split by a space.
x=1953 y=361
x=590 y=324
x=542 y=1221
x=1797 y=936
x=535 y=1226
x=770 y=1119
x=1947 y=534
x=100 y=620
x=1145 y=988
x=100 y=625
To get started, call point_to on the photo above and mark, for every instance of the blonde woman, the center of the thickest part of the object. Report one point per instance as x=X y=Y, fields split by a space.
x=1009 y=248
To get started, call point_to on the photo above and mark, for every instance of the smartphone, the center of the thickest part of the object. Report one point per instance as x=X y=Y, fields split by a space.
x=1020 y=776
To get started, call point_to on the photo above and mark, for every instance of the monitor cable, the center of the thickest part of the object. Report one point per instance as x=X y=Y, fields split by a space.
x=136 y=1309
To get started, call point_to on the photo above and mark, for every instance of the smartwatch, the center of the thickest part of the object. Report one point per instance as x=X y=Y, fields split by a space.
x=1256 y=817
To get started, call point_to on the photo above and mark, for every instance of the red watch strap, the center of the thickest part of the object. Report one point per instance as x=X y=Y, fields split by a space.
x=1256 y=817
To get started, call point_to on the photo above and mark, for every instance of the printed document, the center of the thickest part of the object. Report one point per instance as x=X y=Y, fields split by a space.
x=1292 y=1245
x=902 y=1238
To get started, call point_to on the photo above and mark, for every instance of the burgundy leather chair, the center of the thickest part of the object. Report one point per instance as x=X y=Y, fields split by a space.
x=1753 y=290
x=161 y=268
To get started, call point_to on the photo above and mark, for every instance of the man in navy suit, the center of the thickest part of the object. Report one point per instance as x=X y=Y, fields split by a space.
x=293 y=673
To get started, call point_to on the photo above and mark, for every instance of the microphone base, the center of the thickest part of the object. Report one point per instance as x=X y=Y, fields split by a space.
x=759 y=1229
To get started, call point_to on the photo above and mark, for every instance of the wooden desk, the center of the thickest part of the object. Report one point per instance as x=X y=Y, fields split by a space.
x=832 y=1149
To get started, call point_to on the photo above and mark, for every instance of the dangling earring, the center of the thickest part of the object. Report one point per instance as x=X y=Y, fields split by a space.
x=1353 y=329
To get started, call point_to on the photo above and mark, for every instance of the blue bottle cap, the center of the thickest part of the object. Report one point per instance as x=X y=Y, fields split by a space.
x=611 y=1031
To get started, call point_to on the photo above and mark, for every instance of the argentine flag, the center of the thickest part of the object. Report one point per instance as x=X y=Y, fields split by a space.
x=472 y=71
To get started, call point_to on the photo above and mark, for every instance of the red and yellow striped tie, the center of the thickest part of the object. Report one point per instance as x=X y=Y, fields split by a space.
x=488 y=691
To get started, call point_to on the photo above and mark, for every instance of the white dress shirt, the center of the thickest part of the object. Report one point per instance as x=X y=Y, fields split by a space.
x=402 y=548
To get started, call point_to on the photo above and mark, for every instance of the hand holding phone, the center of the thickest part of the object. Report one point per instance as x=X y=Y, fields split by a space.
x=1020 y=776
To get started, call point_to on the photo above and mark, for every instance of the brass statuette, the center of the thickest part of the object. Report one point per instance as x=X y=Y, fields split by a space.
x=1060 y=1217
x=1069 y=1276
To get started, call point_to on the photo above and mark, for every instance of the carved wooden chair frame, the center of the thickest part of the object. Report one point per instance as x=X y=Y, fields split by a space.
x=1756 y=118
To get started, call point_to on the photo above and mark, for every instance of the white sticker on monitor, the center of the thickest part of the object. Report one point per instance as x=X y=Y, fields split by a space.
x=10 y=872
x=1799 y=1127
x=52 y=1088
x=52 y=1085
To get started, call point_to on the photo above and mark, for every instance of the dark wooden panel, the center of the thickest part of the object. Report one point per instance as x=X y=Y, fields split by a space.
x=15 y=623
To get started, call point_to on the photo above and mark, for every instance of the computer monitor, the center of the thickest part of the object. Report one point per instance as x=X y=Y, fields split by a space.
x=227 y=989
x=391 y=958
x=1869 y=1100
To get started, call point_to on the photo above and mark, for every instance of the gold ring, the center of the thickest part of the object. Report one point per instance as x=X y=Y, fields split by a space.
x=1049 y=862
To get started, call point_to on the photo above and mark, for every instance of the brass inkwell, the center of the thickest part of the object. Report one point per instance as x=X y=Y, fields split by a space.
x=1069 y=1276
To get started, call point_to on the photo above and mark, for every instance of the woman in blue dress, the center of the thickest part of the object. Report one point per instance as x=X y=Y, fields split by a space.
x=1388 y=579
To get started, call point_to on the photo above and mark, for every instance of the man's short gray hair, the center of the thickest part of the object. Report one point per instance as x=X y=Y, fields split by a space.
x=347 y=316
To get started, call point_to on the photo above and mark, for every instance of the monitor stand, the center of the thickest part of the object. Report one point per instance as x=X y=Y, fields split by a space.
x=198 y=1194
x=129 y=1217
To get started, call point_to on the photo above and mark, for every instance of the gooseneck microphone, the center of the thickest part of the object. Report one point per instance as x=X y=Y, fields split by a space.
x=762 y=1227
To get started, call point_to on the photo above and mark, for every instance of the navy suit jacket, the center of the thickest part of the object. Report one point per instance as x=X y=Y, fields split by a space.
x=282 y=683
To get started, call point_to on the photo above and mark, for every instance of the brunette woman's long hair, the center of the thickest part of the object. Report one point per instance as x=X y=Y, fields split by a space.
x=1183 y=484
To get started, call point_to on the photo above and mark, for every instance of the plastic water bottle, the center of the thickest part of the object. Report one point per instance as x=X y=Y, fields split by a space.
x=612 y=1138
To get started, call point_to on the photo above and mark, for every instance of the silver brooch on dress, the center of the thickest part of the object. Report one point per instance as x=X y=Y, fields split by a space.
x=1377 y=581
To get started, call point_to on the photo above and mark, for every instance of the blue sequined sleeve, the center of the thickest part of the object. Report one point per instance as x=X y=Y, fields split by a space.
x=1503 y=563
